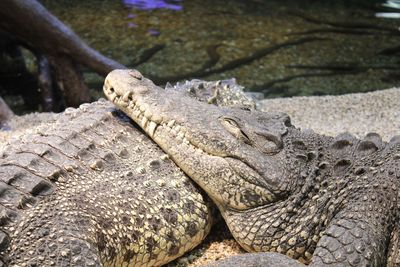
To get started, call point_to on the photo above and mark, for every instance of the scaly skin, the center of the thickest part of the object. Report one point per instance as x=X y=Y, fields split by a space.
x=90 y=189
x=321 y=200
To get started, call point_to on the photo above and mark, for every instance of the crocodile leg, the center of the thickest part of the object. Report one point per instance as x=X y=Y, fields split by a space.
x=347 y=241
x=350 y=241
x=394 y=249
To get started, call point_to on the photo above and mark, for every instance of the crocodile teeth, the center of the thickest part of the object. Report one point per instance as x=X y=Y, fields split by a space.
x=124 y=104
x=156 y=118
x=171 y=123
x=136 y=113
x=152 y=128
x=181 y=135
x=148 y=114
x=144 y=122
x=126 y=96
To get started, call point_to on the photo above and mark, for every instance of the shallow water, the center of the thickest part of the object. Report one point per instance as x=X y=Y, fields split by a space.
x=280 y=48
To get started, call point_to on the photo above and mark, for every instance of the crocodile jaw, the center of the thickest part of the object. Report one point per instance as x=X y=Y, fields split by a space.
x=190 y=133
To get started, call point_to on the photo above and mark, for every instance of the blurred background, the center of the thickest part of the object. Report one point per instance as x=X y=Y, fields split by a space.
x=278 y=48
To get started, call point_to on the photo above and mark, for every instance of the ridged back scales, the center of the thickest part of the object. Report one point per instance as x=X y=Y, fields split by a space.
x=91 y=188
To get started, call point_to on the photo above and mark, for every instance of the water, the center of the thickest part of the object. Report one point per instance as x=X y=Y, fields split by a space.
x=153 y=4
x=279 y=48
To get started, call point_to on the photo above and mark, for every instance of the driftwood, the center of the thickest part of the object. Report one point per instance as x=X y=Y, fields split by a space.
x=56 y=46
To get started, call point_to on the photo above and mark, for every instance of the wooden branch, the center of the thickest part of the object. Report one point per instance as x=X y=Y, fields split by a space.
x=45 y=83
x=45 y=35
x=35 y=25
x=70 y=81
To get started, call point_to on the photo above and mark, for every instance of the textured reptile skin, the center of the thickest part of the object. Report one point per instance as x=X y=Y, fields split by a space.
x=321 y=200
x=90 y=189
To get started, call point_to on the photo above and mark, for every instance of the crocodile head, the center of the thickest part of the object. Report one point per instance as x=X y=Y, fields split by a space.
x=234 y=154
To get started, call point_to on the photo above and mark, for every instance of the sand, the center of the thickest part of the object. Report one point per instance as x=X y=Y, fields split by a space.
x=358 y=114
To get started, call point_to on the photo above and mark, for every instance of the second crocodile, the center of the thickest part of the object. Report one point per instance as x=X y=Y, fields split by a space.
x=321 y=200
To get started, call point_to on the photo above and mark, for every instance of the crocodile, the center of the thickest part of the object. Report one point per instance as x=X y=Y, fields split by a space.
x=86 y=187
x=92 y=190
x=301 y=197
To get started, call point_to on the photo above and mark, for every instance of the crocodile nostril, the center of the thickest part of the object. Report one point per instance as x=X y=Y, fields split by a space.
x=111 y=89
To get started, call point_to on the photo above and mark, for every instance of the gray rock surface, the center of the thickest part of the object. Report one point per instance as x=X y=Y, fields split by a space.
x=270 y=259
x=358 y=114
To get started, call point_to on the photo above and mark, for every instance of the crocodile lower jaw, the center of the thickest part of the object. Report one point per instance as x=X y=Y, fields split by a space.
x=138 y=113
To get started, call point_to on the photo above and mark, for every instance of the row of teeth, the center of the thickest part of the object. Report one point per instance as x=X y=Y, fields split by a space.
x=146 y=120
x=150 y=123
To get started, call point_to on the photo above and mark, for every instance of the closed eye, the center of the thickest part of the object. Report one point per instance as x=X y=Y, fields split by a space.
x=264 y=140
x=233 y=127
x=230 y=122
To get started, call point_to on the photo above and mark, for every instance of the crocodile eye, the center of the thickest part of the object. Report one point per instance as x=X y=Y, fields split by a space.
x=230 y=122
x=233 y=127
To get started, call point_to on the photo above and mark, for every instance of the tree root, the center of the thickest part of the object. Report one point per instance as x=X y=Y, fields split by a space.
x=41 y=32
x=69 y=78
x=45 y=83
